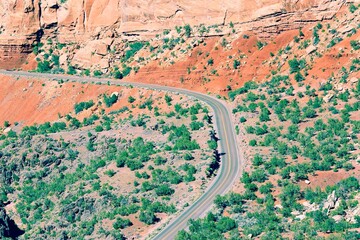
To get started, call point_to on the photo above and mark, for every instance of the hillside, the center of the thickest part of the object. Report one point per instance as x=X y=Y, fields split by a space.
x=287 y=70
x=111 y=158
x=104 y=26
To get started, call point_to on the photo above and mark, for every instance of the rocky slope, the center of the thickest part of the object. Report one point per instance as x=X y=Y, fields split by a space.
x=25 y=22
x=104 y=117
x=294 y=96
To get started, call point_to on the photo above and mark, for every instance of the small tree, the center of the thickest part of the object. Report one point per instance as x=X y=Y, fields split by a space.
x=188 y=30
x=118 y=75
x=131 y=99
x=355 y=44
x=43 y=66
x=188 y=156
x=252 y=142
x=110 y=100
x=168 y=100
x=148 y=217
x=164 y=190
x=236 y=64
x=299 y=77
x=121 y=223
x=260 y=44
x=212 y=144
x=6 y=124
x=352 y=8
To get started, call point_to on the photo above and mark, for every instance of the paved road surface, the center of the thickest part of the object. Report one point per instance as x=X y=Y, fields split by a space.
x=230 y=161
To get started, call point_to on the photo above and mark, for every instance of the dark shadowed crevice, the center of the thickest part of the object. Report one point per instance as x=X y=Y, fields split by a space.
x=8 y=227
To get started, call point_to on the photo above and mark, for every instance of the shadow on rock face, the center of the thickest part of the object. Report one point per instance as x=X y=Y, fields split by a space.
x=8 y=227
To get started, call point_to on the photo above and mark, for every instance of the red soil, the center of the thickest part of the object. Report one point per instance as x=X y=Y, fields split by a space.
x=38 y=101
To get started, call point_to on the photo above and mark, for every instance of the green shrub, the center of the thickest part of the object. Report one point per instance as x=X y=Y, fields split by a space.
x=131 y=99
x=126 y=70
x=134 y=164
x=110 y=100
x=226 y=224
x=81 y=106
x=355 y=44
x=195 y=125
x=210 y=62
x=260 y=44
x=164 y=190
x=299 y=77
x=247 y=86
x=188 y=156
x=334 y=41
x=296 y=65
x=134 y=48
x=168 y=100
x=99 y=128
x=160 y=160
x=352 y=8
x=236 y=64
x=188 y=30
x=121 y=223
x=242 y=119
x=43 y=67
x=118 y=75
x=6 y=124
x=97 y=73
x=72 y=70
x=86 y=72
x=110 y=173
x=56 y=60
x=252 y=142
x=12 y=134
x=316 y=38
x=264 y=115
x=212 y=144
x=148 y=217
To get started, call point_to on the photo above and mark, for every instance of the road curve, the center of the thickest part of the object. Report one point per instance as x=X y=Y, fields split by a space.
x=230 y=161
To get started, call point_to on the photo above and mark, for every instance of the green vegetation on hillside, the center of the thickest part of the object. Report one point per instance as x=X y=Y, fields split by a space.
x=70 y=179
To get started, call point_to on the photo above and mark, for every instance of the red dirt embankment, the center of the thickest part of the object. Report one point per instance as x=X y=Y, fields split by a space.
x=36 y=101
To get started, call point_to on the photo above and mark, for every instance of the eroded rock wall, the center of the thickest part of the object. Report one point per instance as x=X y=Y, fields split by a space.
x=22 y=22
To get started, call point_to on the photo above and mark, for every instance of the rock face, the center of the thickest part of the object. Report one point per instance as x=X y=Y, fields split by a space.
x=23 y=22
x=331 y=201
x=8 y=228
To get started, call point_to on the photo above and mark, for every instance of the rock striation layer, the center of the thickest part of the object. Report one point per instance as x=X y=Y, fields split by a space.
x=24 y=22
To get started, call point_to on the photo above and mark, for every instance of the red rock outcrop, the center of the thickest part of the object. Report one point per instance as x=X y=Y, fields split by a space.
x=26 y=21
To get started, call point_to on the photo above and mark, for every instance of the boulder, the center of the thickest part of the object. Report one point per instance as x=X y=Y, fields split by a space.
x=8 y=129
x=300 y=217
x=346 y=29
x=100 y=48
x=295 y=212
x=63 y=59
x=339 y=87
x=311 y=49
x=338 y=218
x=278 y=206
x=330 y=202
x=328 y=97
x=85 y=58
x=114 y=93
x=354 y=80
x=104 y=63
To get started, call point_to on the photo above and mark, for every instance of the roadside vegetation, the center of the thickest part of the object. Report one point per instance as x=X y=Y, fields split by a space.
x=300 y=135
x=109 y=172
x=298 y=125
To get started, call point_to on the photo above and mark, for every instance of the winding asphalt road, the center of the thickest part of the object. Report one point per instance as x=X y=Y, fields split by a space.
x=230 y=161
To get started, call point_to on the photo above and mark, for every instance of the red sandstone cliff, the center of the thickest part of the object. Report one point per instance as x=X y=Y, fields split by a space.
x=23 y=22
